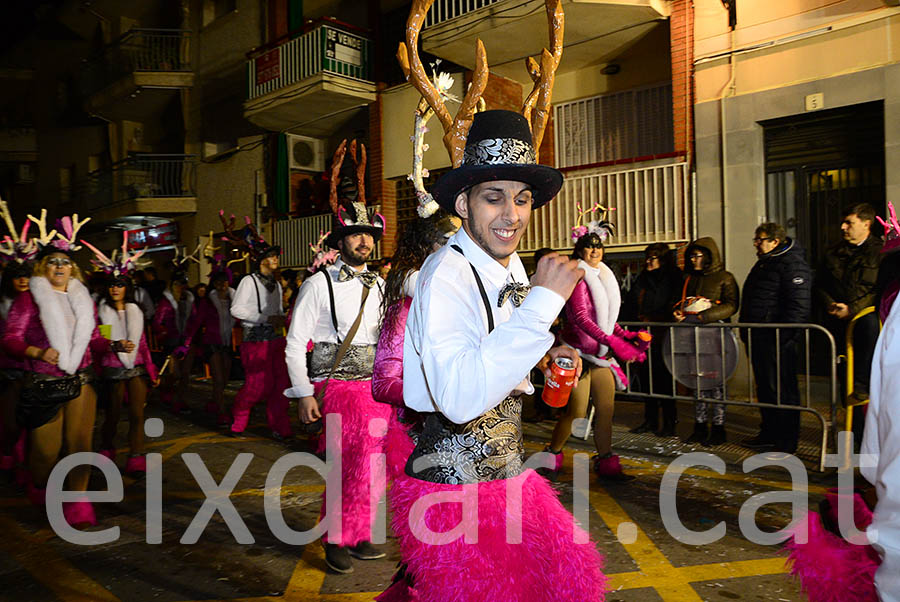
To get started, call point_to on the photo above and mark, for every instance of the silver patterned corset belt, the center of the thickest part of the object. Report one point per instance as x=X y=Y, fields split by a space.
x=485 y=449
x=260 y=333
x=357 y=364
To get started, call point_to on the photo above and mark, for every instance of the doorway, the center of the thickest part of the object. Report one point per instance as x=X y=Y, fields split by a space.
x=818 y=165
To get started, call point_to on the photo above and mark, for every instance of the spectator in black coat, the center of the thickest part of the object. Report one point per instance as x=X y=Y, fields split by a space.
x=651 y=299
x=778 y=290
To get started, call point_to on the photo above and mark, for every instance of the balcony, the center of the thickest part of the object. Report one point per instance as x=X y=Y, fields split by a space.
x=314 y=81
x=651 y=202
x=295 y=236
x=138 y=75
x=596 y=31
x=18 y=143
x=141 y=185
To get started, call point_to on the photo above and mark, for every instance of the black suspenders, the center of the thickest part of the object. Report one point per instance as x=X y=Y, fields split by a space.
x=484 y=297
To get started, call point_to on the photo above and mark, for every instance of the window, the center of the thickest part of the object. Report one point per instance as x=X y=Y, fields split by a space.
x=624 y=125
x=66 y=178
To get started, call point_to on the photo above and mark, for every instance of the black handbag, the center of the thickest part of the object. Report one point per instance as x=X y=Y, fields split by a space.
x=50 y=390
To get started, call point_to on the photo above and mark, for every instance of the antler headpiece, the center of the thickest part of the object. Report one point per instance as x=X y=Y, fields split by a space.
x=62 y=238
x=358 y=218
x=248 y=239
x=17 y=248
x=601 y=226
x=488 y=145
x=120 y=264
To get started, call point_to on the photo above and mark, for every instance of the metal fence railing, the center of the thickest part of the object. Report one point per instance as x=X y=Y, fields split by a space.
x=138 y=50
x=295 y=235
x=444 y=10
x=647 y=204
x=705 y=356
x=141 y=176
x=325 y=48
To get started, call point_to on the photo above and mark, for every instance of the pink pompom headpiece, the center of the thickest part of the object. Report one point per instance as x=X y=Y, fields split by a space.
x=891 y=230
x=321 y=257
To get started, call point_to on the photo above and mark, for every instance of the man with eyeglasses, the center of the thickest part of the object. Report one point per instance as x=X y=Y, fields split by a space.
x=777 y=290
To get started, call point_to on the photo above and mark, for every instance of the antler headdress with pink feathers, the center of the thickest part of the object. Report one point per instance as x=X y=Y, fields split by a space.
x=358 y=218
x=17 y=248
x=61 y=239
x=120 y=264
x=248 y=239
x=321 y=257
x=602 y=227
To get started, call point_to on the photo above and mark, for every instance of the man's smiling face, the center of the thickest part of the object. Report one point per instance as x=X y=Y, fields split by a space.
x=495 y=215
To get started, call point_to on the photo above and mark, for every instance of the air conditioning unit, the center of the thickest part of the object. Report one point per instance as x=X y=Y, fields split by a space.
x=305 y=153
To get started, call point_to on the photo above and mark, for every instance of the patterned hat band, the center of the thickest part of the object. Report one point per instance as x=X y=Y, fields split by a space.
x=499 y=151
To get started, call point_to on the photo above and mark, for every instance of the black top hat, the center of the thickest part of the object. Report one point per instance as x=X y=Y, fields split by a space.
x=358 y=220
x=498 y=147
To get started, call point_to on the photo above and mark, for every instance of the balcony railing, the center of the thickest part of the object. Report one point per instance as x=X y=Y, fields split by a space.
x=147 y=50
x=649 y=204
x=295 y=235
x=324 y=49
x=444 y=10
x=141 y=176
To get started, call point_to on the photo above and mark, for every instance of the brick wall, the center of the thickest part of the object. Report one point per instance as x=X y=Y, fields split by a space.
x=681 y=26
x=381 y=190
x=500 y=93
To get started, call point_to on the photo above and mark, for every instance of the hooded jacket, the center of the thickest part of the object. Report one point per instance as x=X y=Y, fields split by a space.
x=714 y=283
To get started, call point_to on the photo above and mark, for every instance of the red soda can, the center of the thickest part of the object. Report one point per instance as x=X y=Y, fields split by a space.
x=560 y=384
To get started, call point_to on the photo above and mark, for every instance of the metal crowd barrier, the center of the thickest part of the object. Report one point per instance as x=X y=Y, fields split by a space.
x=701 y=336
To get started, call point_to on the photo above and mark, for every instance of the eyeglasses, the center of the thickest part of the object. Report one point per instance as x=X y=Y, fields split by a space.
x=59 y=261
x=757 y=239
x=696 y=255
x=652 y=258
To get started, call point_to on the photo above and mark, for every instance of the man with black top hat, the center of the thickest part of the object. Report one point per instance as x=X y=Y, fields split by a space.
x=475 y=330
x=257 y=304
x=338 y=310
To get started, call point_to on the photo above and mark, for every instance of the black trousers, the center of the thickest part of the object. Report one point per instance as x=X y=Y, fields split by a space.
x=661 y=378
x=781 y=427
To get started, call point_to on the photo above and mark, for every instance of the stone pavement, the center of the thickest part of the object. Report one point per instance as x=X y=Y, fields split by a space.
x=643 y=561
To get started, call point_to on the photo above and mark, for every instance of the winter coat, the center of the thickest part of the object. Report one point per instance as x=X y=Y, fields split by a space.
x=25 y=328
x=652 y=295
x=111 y=359
x=848 y=274
x=714 y=283
x=778 y=288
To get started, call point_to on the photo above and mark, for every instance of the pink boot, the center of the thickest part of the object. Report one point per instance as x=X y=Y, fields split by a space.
x=608 y=468
x=79 y=514
x=136 y=466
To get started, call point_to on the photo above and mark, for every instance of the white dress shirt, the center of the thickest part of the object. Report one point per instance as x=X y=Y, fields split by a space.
x=311 y=320
x=246 y=305
x=450 y=363
x=882 y=439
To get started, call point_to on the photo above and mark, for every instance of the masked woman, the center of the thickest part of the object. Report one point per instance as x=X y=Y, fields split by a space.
x=590 y=327
x=124 y=371
x=53 y=328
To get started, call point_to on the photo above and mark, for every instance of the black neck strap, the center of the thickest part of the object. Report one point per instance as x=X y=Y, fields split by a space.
x=484 y=297
x=334 y=321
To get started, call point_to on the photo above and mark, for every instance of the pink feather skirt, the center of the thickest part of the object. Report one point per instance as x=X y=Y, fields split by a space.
x=550 y=559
